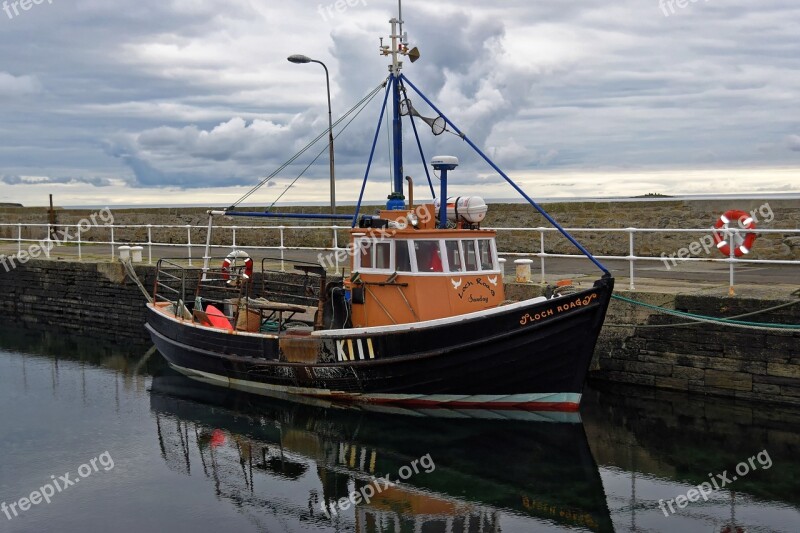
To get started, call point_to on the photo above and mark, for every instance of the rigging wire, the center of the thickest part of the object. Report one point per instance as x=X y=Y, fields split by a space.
x=292 y=159
x=419 y=144
x=389 y=145
x=511 y=182
x=325 y=149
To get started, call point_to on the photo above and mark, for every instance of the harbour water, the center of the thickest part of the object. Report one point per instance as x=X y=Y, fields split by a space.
x=102 y=437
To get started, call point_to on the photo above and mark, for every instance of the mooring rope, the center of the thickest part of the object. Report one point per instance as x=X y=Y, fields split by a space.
x=132 y=274
x=698 y=319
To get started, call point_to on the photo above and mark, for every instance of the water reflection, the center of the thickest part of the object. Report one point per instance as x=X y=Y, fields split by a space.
x=656 y=445
x=491 y=473
x=131 y=363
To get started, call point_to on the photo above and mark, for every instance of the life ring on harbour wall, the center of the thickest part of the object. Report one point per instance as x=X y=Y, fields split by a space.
x=743 y=245
x=233 y=258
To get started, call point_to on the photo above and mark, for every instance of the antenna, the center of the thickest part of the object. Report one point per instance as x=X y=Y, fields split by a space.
x=399 y=43
x=400 y=15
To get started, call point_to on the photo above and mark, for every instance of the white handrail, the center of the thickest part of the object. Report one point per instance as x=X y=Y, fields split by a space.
x=83 y=242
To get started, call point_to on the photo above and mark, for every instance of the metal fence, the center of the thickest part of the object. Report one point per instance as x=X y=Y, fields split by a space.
x=81 y=239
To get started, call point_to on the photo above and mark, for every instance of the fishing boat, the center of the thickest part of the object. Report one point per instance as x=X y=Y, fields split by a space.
x=419 y=318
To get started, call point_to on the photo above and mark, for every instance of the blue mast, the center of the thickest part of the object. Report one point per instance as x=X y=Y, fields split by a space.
x=397 y=138
x=397 y=47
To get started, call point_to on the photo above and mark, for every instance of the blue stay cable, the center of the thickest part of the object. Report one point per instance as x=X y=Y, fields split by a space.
x=372 y=152
x=530 y=200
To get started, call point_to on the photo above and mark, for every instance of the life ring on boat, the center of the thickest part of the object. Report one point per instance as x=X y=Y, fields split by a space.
x=723 y=223
x=232 y=259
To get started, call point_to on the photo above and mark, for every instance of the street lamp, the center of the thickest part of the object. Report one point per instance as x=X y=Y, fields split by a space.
x=298 y=58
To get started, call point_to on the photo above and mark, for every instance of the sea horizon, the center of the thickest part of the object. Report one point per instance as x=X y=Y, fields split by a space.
x=544 y=200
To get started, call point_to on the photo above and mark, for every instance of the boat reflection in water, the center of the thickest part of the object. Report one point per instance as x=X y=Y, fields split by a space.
x=281 y=462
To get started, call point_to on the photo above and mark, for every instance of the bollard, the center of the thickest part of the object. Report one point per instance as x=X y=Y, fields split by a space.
x=136 y=254
x=502 y=261
x=124 y=253
x=523 y=270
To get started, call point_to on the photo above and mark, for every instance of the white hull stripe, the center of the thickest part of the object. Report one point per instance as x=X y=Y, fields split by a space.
x=413 y=326
x=567 y=398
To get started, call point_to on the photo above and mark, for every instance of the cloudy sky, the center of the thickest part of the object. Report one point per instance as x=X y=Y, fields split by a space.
x=193 y=101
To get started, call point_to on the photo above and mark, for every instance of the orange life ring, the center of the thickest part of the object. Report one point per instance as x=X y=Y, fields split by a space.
x=231 y=261
x=746 y=222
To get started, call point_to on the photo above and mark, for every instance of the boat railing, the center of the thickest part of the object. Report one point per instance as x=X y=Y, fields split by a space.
x=302 y=283
x=181 y=284
x=171 y=282
x=238 y=293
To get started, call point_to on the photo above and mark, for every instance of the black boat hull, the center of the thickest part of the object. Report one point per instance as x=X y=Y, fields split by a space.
x=529 y=355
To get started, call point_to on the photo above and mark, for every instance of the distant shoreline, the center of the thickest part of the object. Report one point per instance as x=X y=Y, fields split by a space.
x=546 y=200
x=550 y=200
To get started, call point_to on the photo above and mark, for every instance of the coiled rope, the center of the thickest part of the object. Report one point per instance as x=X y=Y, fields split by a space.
x=702 y=319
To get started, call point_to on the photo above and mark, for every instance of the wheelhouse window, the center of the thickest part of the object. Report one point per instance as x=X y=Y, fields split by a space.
x=383 y=255
x=428 y=256
x=470 y=257
x=365 y=257
x=485 y=254
x=454 y=256
x=402 y=257
x=374 y=255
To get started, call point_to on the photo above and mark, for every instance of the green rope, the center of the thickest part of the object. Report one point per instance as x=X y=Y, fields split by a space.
x=269 y=326
x=696 y=323
x=711 y=319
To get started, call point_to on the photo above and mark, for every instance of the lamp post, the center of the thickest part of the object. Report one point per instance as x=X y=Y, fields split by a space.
x=298 y=58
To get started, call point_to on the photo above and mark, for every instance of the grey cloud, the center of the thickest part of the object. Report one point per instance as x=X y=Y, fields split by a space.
x=43 y=180
x=13 y=86
x=174 y=94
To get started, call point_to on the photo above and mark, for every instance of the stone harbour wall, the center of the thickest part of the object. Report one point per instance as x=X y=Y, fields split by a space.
x=750 y=364
x=87 y=299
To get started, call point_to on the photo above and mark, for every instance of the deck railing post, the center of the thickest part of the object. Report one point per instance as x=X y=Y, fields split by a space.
x=732 y=258
x=631 y=256
x=281 y=228
x=336 y=249
x=149 y=244
x=113 y=252
x=189 y=242
x=233 y=245
x=19 y=239
x=78 y=233
x=541 y=251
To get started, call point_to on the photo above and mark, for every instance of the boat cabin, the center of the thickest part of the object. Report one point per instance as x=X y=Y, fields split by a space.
x=405 y=270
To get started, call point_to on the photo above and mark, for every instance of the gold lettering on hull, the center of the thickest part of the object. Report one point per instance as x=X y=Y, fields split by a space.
x=527 y=318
